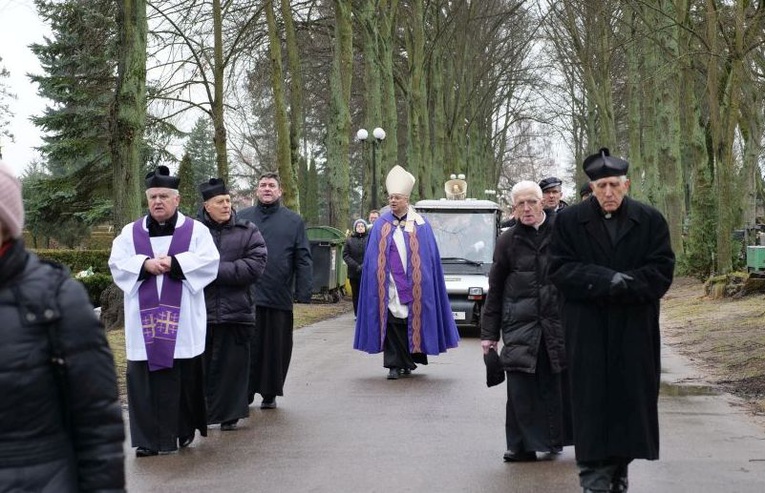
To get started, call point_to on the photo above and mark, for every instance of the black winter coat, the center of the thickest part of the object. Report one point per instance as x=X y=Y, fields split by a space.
x=522 y=303
x=243 y=256
x=353 y=254
x=612 y=340
x=36 y=451
x=288 y=274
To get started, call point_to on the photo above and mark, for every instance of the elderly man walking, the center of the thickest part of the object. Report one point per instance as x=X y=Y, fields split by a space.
x=162 y=262
x=612 y=262
x=522 y=310
x=403 y=307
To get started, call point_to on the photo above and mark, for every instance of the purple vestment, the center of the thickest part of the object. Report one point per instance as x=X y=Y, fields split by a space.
x=431 y=323
x=160 y=313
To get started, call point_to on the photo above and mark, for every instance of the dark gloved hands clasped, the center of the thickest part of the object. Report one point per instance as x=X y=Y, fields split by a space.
x=619 y=284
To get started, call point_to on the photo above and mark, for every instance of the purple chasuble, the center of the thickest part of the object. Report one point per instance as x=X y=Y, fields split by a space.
x=160 y=314
x=403 y=286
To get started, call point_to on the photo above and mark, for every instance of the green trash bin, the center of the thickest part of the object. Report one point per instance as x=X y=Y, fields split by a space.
x=329 y=270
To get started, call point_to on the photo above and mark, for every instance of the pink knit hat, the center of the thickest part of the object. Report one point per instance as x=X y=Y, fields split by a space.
x=11 y=204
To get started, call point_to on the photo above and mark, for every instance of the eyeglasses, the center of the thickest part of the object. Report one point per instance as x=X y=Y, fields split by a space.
x=396 y=196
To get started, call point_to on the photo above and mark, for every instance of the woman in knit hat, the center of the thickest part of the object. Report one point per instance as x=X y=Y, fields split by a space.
x=61 y=421
x=353 y=255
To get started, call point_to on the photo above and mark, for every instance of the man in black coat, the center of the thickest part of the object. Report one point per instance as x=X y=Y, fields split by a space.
x=522 y=309
x=612 y=262
x=287 y=277
x=228 y=299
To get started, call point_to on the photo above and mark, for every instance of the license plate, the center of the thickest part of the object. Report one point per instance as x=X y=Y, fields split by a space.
x=459 y=315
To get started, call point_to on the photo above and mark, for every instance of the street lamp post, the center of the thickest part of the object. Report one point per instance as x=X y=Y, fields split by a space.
x=379 y=135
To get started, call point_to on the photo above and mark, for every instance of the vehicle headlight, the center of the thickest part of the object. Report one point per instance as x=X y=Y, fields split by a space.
x=475 y=293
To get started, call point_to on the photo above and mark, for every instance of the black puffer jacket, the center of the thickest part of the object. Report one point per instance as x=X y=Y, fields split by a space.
x=522 y=302
x=35 y=448
x=243 y=256
x=288 y=274
x=353 y=254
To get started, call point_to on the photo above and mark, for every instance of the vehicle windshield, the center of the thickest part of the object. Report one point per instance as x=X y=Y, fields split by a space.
x=464 y=234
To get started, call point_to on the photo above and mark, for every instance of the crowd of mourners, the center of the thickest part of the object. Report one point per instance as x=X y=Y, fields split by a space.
x=570 y=324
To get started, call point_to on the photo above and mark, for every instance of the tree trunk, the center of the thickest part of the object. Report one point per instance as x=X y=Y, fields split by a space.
x=296 y=88
x=128 y=117
x=219 y=138
x=291 y=195
x=339 y=129
x=370 y=35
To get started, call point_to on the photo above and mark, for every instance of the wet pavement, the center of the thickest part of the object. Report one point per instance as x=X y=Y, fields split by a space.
x=342 y=427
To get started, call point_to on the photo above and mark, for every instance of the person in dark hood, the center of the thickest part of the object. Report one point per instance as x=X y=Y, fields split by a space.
x=612 y=261
x=230 y=317
x=287 y=279
x=353 y=255
x=61 y=418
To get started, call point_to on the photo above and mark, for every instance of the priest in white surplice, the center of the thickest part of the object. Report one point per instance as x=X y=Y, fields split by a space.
x=162 y=262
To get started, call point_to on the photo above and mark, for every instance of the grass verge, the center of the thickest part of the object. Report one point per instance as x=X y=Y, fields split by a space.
x=723 y=338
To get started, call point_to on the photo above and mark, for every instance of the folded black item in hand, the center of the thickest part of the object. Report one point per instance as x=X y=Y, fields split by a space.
x=495 y=374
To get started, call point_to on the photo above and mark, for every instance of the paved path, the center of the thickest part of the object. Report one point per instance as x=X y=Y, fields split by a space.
x=342 y=427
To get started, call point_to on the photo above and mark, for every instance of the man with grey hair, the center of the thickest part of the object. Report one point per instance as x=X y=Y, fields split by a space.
x=162 y=262
x=612 y=261
x=522 y=308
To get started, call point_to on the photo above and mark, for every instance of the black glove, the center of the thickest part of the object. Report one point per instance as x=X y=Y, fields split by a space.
x=619 y=284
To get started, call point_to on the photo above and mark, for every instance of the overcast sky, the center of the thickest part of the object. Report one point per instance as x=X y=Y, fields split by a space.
x=19 y=27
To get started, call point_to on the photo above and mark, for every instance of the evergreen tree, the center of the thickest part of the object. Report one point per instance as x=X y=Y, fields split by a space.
x=201 y=150
x=191 y=200
x=79 y=64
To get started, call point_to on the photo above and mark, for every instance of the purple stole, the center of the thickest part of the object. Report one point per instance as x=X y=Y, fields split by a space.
x=403 y=286
x=160 y=314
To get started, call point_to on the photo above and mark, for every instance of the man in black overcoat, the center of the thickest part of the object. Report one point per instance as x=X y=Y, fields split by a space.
x=286 y=280
x=612 y=262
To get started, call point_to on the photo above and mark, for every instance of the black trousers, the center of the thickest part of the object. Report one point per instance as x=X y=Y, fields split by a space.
x=270 y=351
x=355 y=287
x=599 y=475
x=396 y=346
x=227 y=365
x=165 y=405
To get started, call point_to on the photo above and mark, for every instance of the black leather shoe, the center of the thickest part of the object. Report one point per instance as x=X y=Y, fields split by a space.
x=228 y=425
x=619 y=485
x=405 y=371
x=145 y=452
x=393 y=374
x=269 y=402
x=184 y=442
x=519 y=456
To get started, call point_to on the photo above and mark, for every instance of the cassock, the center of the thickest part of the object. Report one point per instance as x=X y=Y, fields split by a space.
x=165 y=402
x=430 y=323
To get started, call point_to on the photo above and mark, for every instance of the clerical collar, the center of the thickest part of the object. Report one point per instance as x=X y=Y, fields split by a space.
x=611 y=215
x=608 y=215
x=166 y=228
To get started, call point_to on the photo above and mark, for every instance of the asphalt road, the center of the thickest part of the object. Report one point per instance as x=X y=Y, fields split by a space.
x=342 y=427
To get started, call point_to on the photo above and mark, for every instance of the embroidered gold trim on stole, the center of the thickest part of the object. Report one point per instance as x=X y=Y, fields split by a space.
x=381 y=275
x=414 y=246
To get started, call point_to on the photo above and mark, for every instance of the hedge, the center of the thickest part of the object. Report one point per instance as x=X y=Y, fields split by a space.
x=95 y=285
x=82 y=260
x=79 y=260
